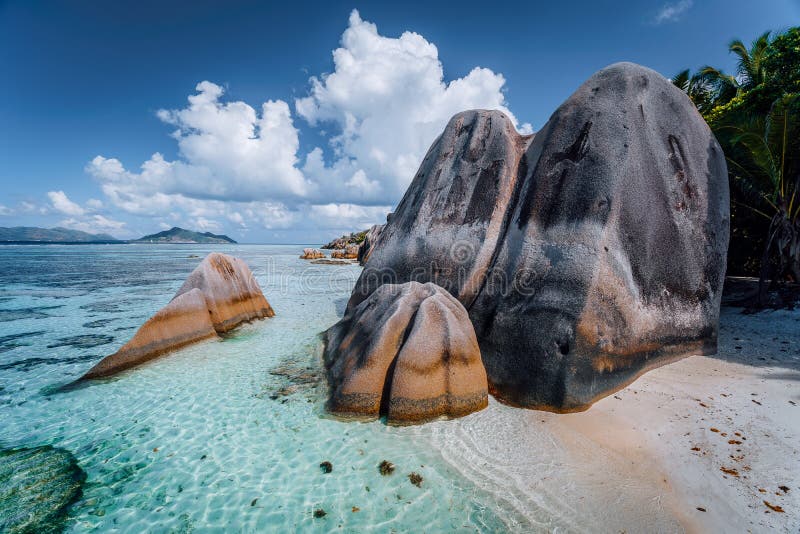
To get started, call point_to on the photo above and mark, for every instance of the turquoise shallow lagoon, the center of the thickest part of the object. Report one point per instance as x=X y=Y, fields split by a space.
x=223 y=435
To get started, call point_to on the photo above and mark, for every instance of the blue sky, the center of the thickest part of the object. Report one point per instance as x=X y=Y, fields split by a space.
x=285 y=140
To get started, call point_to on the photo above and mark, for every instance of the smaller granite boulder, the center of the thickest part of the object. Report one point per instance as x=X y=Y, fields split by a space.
x=408 y=352
x=219 y=295
x=312 y=254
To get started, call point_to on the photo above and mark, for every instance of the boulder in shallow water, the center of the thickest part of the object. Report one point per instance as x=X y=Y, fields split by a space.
x=37 y=487
x=350 y=252
x=219 y=295
x=585 y=254
x=408 y=352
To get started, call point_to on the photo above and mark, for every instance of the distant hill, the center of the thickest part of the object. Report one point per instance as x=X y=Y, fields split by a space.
x=34 y=235
x=179 y=235
x=31 y=235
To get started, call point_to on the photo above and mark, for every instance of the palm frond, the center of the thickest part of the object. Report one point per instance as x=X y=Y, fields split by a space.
x=681 y=80
x=724 y=85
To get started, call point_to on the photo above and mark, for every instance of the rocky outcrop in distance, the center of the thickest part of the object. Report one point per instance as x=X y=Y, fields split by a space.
x=219 y=295
x=408 y=352
x=350 y=252
x=340 y=243
x=585 y=254
x=311 y=254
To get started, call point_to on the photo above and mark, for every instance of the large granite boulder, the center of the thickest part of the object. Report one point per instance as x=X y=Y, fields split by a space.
x=408 y=352
x=586 y=254
x=447 y=225
x=219 y=295
x=37 y=487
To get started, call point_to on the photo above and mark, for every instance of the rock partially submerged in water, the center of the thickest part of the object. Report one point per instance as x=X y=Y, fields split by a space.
x=328 y=261
x=409 y=351
x=37 y=486
x=219 y=295
x=350 y=252
x=586 y=254
x=312 y=254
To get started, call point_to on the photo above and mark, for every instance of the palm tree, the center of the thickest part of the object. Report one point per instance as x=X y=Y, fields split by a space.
x=766 y=168
x=723 y=87
x=720 y=87
x=750 y=66
x=699 y=92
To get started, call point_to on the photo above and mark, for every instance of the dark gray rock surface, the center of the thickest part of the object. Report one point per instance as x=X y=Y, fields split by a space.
x=368 y=245
x=586 y=254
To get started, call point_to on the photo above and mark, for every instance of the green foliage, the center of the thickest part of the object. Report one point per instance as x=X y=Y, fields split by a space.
x=782 y=60
x=750 y=65
x=755 y=115
x=698 y=88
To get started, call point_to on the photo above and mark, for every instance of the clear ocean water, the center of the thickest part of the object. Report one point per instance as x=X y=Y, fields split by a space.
x=223 y=435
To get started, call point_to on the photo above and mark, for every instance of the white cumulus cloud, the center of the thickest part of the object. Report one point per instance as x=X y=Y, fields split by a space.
x=388 y=99
x=95 y=224
x=61 y=203
x=83 y=218
x=345 y=215
x=384 y=102
x=673 y=11
x=228 y=152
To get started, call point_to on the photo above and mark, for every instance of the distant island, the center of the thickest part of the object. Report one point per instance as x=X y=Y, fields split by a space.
x=177 y=235
x=31 y=235
x=23 y=235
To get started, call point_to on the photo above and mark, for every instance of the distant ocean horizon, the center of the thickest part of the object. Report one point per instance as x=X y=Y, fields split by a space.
x=123 y=242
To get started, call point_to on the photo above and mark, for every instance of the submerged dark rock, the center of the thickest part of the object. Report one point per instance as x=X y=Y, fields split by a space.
x=35 y=312
x=99 y=323
x=27 y=364
x=12 y=341
x=326 y=261
x=84 y=341
x=585 y=254
x=37 y=487
x=386 y=468
x=296 y=377
x=102 y=307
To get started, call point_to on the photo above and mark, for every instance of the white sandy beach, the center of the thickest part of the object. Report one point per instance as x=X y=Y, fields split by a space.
x=719 y=433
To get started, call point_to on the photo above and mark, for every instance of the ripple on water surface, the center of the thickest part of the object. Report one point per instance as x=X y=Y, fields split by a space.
x=227 y=433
